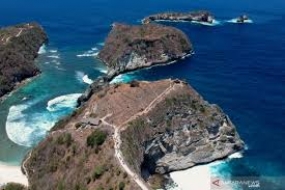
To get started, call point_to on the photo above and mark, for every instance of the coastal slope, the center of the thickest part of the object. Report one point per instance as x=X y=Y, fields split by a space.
x=129 y=47
x=19 y=47
x=149 y=128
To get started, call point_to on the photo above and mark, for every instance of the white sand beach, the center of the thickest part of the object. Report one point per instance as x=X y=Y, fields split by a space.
x=12 y=174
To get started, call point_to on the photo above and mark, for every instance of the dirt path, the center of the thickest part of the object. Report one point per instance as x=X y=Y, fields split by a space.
x=119 y=155
x=151 y=105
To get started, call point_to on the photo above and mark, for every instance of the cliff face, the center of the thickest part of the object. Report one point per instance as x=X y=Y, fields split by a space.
x=18 y=48
x=132 y=47
x=180 y=131
x=199 y=16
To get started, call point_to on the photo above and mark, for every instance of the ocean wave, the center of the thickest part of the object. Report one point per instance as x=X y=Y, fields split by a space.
x=42 y=49
x=101 y=43
x=87 y=80
x=83 y=78
x=63 y=102
x=214 y=23
x=87 y=55
x=54 y=56
x=235 y=21
x=24 y=129
x=101 y=70
x=123 y=78
x=53 y=51
x=93 y=52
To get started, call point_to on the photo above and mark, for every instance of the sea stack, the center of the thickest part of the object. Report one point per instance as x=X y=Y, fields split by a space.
x=19 y=46
x=242 y=19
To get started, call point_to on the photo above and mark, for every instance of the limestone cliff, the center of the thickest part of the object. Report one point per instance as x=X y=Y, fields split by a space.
x=18 y=48
x=129 y=48
x=164 y=126
x=199 y=16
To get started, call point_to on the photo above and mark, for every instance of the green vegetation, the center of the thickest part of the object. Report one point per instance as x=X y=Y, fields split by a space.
x=96 y=138
x=98 y=172
x=122 y=185
x=14 y=186
x=65 y=138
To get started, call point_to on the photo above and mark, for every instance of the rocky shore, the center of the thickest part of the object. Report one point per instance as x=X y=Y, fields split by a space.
x=198 y=16
x=19 y=47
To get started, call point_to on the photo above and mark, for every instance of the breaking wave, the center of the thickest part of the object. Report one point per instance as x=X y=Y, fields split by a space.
x=235 y=21
x=83 y=78
x=123 y=78
x=63 y=102
x=42 y=49
x=87 y=80
x=54 y=56
x=214 y=23
x=90 y=53
x=24 y=129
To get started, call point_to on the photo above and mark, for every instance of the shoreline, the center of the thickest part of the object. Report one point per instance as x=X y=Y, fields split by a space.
x=12 y=173
x=18 y=86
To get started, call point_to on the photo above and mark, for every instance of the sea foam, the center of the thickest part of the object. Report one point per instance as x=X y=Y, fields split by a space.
x=90 y=53
x=122 y=78
x=63 y=102
x=42 y=49
x=235 y=21
x=23 y=128
x=87 y=80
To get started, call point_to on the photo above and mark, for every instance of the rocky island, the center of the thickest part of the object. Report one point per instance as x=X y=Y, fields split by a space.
x=129 y=48
x=19 y=47
x=197 y=16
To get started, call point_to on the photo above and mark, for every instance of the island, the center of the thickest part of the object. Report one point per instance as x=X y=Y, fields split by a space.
x=19 y=47
x=196 y=16
x=129 y=47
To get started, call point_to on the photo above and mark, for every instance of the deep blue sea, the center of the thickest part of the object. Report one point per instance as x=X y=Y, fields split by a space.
x=239 y=67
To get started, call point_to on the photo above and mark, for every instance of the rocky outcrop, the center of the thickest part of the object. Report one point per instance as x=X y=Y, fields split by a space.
x=180 y=131
x=198 y=16
x=243 y=19
x=19 y=47
x=129 y=48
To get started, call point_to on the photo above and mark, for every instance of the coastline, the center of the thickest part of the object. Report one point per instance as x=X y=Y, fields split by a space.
x=18 y=86
x=10 y=173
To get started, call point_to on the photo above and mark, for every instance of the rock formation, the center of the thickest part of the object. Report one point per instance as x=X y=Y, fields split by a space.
x=19 y=47
x=129 y=48
x=164 y=126
x=198 y=16
x=242 y=19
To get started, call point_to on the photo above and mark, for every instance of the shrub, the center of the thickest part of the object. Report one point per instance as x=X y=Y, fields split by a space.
x=98 y=172
x=121 y=185
x=134 y=84
x=14 y=186
x=65 y=138
x=96 y=138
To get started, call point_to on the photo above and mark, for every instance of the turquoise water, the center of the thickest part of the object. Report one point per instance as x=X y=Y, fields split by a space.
x=239 y=67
